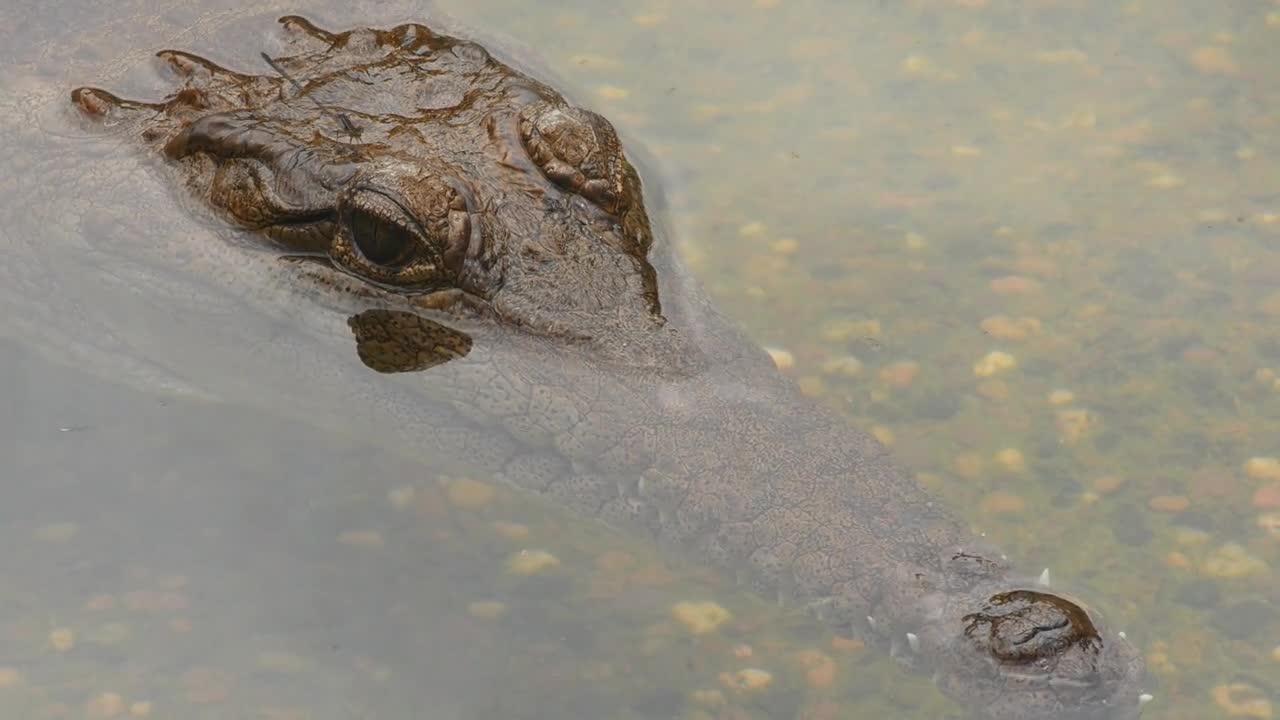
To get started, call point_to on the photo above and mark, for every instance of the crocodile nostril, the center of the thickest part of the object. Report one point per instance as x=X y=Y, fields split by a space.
x=1025 y=626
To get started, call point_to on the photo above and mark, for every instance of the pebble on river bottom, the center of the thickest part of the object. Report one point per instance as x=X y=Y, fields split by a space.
x=531 y=562
x=700 y=617
x=1241 y=700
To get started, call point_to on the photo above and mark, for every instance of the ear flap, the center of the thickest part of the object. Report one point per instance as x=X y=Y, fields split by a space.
x=394 y=341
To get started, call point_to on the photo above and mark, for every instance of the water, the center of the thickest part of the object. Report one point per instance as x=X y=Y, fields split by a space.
x=888 y=193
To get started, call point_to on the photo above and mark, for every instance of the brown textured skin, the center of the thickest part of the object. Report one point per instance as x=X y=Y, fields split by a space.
x=499 y=239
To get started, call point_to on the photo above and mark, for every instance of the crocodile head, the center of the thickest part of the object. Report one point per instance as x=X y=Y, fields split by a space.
x=415 y=166
x=418 y=164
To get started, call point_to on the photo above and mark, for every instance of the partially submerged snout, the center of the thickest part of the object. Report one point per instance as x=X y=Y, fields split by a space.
x=1030 y=654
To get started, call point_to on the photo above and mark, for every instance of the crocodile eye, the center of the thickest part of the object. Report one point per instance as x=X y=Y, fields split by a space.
x=410 y=232
x=380 y=241
x=578 y=150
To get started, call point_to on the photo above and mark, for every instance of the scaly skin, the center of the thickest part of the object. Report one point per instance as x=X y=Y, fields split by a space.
x=496 y=244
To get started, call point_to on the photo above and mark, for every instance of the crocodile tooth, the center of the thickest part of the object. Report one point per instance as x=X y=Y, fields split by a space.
x=1122 y=635
x=914 y=641
x=1044 y=578
x=1145 y=698
x=872 y=622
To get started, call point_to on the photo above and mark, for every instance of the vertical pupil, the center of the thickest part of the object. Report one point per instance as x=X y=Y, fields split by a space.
x=381 y=242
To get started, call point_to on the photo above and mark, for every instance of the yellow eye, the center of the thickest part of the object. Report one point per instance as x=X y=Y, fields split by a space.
x=380 y=241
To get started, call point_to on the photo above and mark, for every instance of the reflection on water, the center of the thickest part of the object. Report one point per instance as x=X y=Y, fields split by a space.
x=1033 y=245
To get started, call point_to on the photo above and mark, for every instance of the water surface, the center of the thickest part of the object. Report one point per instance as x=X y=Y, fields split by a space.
x=205 y=523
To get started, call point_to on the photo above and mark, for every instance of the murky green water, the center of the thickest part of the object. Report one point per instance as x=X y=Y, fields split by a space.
x=887 y=194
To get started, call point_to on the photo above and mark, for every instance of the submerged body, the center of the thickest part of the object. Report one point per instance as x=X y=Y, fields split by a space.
x=489 y=246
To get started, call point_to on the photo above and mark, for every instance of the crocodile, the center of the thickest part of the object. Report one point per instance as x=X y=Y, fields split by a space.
x=493 y=253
